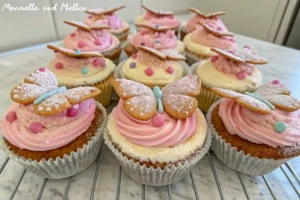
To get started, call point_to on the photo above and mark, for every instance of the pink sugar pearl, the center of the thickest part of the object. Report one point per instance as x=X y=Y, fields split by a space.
x=98 y=42
x=97 y=62
x=241 y=75
x=72 y=112
x=170 y=70
x=214 y=58
x=134 y=56
x=90 y=17
x=42 y=69
x=72 y=34
x=156 y=35
x=81 y=44
x=11 y=116
x=35 y=127
x=59 y=65
x=144 y=32
x=149 y=71
x=158 y=120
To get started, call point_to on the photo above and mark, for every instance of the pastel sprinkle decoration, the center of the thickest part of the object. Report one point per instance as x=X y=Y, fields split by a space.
x=11 y=116
x=149 y=71
x=42 y=69
x=142 y=43
x=170 y=70
x=158 y=95
x=49 y=94
x=98 y=62
x=72 y=34
x=35 y=127
x=72 y=112
x=77 y=51
x=241 y=75
x=259 y=98
x=59 y=65
x=156 y=26
x=84 y=70
x=280 y=127
x=134 y=56
x=158 y=120
x=132 y=65
x=81 y=44
x=157 y=41
x=98 y=42
x=214 y=58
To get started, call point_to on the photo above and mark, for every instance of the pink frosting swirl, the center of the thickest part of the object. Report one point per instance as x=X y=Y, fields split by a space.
x=96 y=40
x=205 y=38
x=226 y=66
x=259 y=128
x=162 y=20
x=112 y=20
x=156 y=40
x=216 y=23
x=172 y=133
x=58 y=130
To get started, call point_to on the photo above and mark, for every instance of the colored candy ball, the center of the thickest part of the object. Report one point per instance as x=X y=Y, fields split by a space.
x=280 y=127
x=90 y=17
x=11 y=116
x=77 y=51
x=170 y=70
x=144 y=32
x=156 y=26
x=35 y=127
x=156 y=35
x=157 y=41
x=98 y=42
x=84 y=70
x=142 y=43
x=99 y=62
x=231 y=52
x=42 y=69
x=241 y=75
x=72 y=34
x=149 y=71
x=134 y=56
x=59 y=65
x=72 y=112
x=158 y=120
x=132 y=65
x=275 y=82
x=81 y=44
x=214 y=58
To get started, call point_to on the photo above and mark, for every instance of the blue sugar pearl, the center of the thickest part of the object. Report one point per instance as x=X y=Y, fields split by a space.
x=156 y=26
x=84 y=70
x=77 y=51
x=280 y=127
x=132 y=65
x=157 y=41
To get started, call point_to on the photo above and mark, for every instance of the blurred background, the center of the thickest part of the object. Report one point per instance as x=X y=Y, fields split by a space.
x=275 y=21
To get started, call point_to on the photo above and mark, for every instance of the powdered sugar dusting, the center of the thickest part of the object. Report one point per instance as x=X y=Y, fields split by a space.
x=131 y=88
x=180 y=103
x=27 y=90
x=144 y=104
x=79 y=93
x=45 y=79
x=248 y=54
x=151 y=60
x=270 y=89
x=250 y=102
x=189 y=85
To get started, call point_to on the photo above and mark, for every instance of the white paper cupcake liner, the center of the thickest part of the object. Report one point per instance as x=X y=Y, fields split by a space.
x=182 y=32
x=67 y=166
x=119 y=74
x=193 y=58
x=158 y=177
x=237 y=160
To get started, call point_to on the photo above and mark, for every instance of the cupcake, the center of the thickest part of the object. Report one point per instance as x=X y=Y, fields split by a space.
x=76 y=68
x=108 y=17
x=211 y=19
x=199 y=43
x=151 y=67
x=158 y=17
x=93 y=39
x=157 y=37
x=157 y=135
x=254 y=133
x=52 y=131
x=229 y=70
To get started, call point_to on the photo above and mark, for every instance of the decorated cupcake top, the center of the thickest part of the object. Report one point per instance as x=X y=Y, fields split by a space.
x=232 y=69
x=45 y=116
x=155 y=36
x=211 y=19
x=73 y=67
x=208 y=36
x=106 y=17
x=157 y=117
x=153 y=67
x=268 y=116
x=158 y=17
x=90 y=38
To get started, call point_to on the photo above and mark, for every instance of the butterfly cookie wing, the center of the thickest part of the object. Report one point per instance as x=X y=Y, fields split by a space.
x=250 y=56
x=35 y=84
x=179 y=97
x=139 y=100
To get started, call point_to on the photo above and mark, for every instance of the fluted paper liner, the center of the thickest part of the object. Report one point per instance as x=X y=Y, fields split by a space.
x=237 y=160
x=119 y=74
x=183 y=32
x=192 y=58
x=206 y=98
x=67 y=166
x=158 y=177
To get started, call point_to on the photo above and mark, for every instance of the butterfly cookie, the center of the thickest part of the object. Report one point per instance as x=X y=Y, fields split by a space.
x=166 y=54
x=75 y=53
x=158 y=12
x=41 y=89
x=85 y=27
x=215 y=31
x=177 y=99
x=265 y=99
x=207 y=16
x=104 y=11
